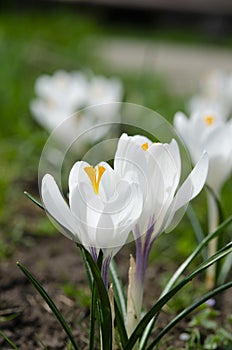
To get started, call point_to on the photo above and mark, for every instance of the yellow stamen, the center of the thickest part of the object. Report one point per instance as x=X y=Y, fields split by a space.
x=95 y=180
x=145 y=146
x=209 y=119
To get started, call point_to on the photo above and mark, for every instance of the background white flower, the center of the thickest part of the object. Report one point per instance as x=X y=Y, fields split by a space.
x=207 y=132
x=59 y=96
x=207 y=129
x=215 y=94
x=63 y=94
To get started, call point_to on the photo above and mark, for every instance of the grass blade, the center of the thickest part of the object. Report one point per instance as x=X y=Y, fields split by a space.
x=120 y=302
x=105 y=309
x=162 y=301
x=86 y=265
x=92 y=318
x=197 y=228
x=50 y=303
x=198 y=249
x=3 y=335
x=147 y=332
x=187 y=311
x=95 y=311
x=119 y=293
x=179 y=272
x=34 y=200
x=120 y=324
x=225 y=269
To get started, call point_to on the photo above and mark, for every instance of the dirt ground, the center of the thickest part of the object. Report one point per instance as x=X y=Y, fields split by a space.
x=56 y=261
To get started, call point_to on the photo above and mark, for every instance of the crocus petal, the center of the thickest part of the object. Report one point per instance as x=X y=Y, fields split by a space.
x=181 y=123
x=167 y=158
x=191 y=187
x=77 y=174
x=128 y=205
x=130 y=157
x=56 y=206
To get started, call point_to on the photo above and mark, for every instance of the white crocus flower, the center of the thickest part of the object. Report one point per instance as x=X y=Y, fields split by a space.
x=63 y=88
x=63 y=94
x=103 y=91
x=59 y=96
x=215 y=94
x=103 y=207
x=158 y=167
x=209 y=132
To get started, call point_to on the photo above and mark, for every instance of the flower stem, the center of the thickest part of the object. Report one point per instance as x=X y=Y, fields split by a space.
x=137 y=272
x=213 y=220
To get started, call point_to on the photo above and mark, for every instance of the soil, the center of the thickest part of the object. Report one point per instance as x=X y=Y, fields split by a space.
x=55 y=261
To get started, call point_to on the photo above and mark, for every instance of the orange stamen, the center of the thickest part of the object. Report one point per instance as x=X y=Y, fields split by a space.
x=209 y=119
x=145 y=146
x=95 y=180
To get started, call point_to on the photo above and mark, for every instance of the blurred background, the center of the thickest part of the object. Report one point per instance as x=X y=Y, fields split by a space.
x=160 y=49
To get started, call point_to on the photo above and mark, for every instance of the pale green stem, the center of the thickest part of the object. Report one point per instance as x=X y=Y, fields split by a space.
x=134 y=301
x=213 y=220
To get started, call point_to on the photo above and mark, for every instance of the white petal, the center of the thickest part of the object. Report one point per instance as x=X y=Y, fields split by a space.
x=181 y=123
x=105 y=237
x=130 y=157
x=218 y=145
x=127 y=206
x=77 y=174
x=166 y=157
x=57 y=207
x=191 y=187
x=87 y=208
x=108 y=182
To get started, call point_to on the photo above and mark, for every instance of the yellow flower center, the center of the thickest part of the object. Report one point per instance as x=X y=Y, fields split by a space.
x=145 y=146
x=95 y=177
x=209 y=119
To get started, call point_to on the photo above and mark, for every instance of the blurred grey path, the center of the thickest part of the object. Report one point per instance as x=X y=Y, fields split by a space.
x=181 y=65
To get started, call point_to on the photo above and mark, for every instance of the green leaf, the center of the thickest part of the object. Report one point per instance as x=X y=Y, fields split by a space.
x=120 y=324
x=199 y=233
x=34 y=200
x=217 y=201
x=105 y=309
x=119 y=293
x=120 y=302
x=86 y=265
x=3 y=335
x=92 y=318
x=50 y=303
x=187 y=311
x=95 y=310
x=192 y=256
x=162 y=301
x=147 y=332
x=225 y=269
x=179 y=272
